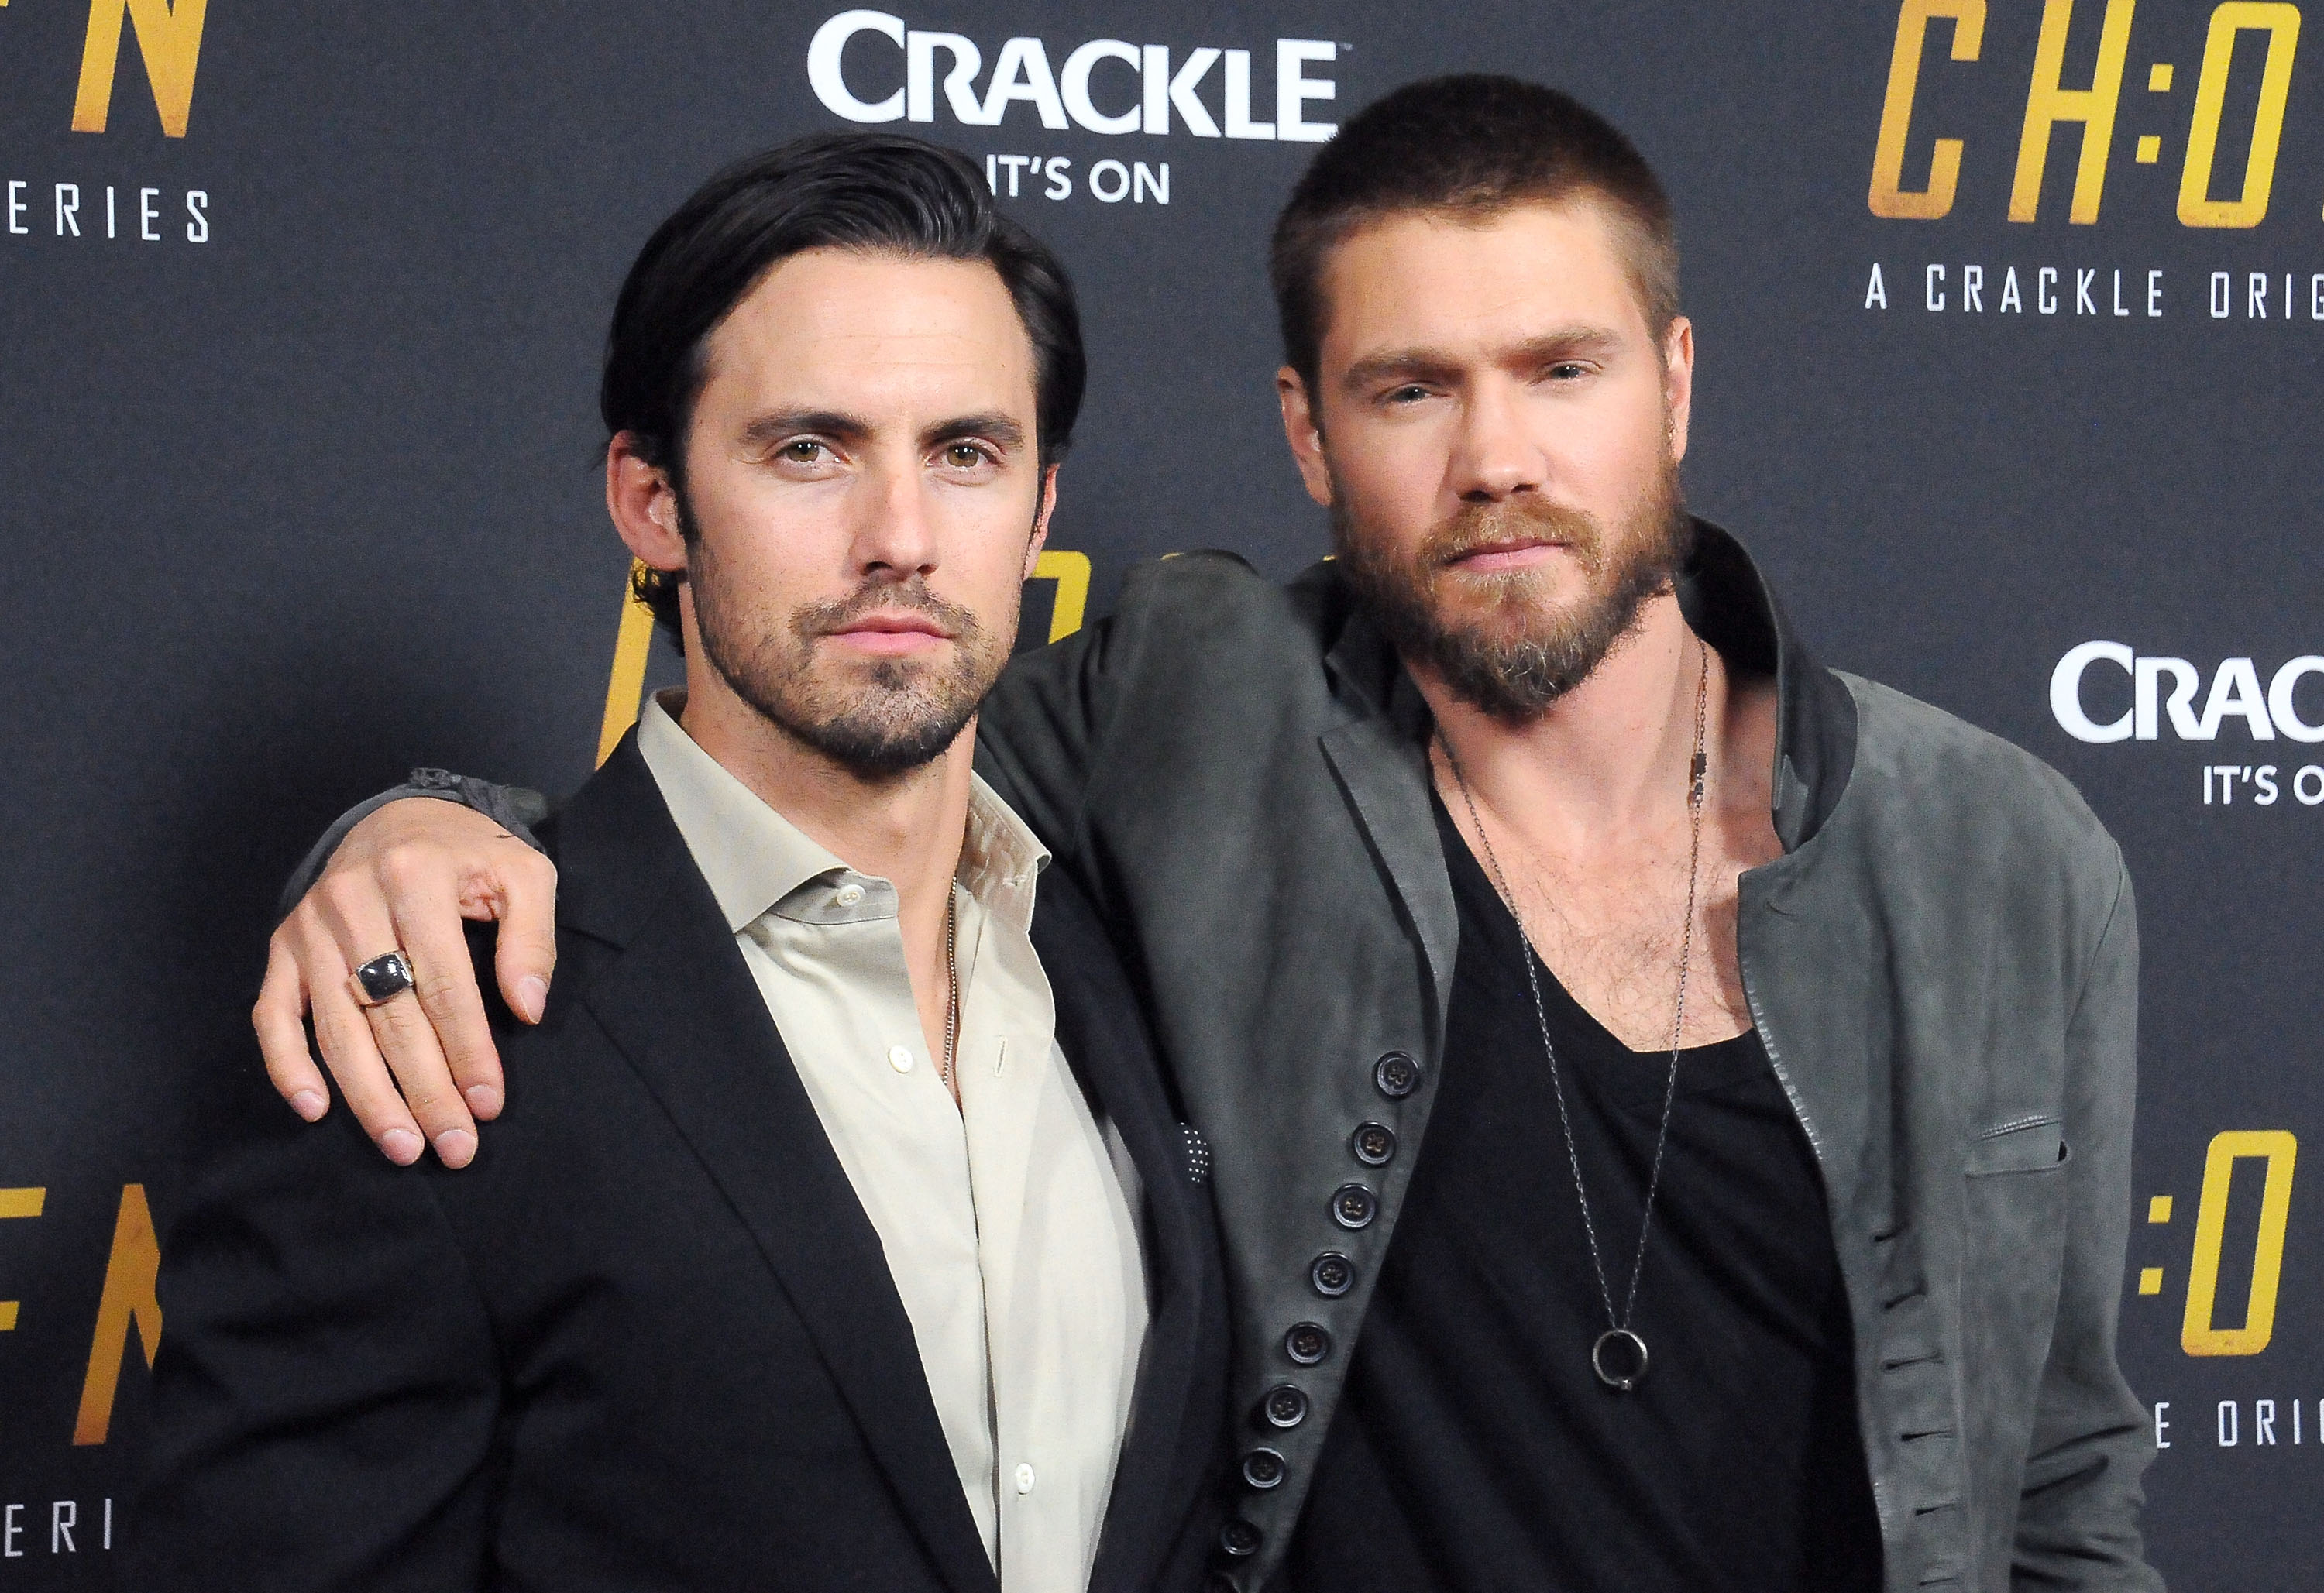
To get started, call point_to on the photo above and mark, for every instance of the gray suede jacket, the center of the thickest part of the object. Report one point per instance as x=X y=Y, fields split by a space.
x=1942 y=967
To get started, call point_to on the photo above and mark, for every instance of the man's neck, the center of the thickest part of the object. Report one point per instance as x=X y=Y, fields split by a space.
x=1607 y=760
x=907 y=829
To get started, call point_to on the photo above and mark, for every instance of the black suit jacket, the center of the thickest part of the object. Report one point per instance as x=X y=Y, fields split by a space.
x=649 y=1338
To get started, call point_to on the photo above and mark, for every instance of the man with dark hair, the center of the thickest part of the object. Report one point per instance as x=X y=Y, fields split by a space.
x=842 y=1238
x=1670 y=1101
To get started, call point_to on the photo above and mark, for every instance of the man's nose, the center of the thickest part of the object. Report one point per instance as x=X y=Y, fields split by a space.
x=895 y=530
x=1494 y=455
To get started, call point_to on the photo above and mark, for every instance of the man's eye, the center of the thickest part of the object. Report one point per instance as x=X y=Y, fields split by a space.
x=1411 y=392
x=802 y=450
x=1568 y=371
x=964 y=456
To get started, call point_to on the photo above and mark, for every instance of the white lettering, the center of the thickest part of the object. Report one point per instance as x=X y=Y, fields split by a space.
x=2044 y=299
x=2011 y=299
x=9 y=1533
x=1239 y=121
x=1876 y=291
x=2066 y=692
x=1145 y=179
x=63 y=1516
x=1930 y=296
x=148 y=214
x=2153 y=293
x=197 y=213
x=2280 y=707
x=825 y=76
x=2263 y=1420
x=1022 y=72
x=1120 y=181
x=2222 y=295
x=1973 y=288
x=959 y=82
x=2162 y=1426
x=1061 y=185
x=1165 y=93
x=1074 y=84
x=67 y=209
x=2308 y=785
x=2083 y=304
x=16 y=207
x=1293 y=88
x=2183 y=679
x=2256 y=297
x=2234 y=689
x=2264 y=777
x=2230 y=1421
x=2119 y=309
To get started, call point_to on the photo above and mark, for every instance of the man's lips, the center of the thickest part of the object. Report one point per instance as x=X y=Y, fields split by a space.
x=890 y=633
x=1516 y=553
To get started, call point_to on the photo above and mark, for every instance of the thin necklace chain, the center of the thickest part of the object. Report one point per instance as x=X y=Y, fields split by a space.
x=952 y=981
x=1697 y=772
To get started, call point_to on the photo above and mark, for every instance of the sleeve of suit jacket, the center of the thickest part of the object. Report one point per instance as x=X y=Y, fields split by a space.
x=2077 y=1524
x=325 y=1394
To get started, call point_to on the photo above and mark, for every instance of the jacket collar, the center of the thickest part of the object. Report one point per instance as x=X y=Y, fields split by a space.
x=1731 y=606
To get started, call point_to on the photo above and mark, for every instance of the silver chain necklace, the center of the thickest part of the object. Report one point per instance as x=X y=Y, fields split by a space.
x=952 y=981
x=1620 y=1342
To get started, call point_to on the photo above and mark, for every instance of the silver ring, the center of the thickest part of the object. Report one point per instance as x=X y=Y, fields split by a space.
x=1621 y=1382
x=382 y=978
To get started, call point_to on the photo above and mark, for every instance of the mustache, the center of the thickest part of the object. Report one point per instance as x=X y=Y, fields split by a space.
x=825 y=619
x=1512 y=519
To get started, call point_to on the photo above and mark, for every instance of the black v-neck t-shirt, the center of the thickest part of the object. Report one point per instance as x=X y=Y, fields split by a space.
x=1473 y=1446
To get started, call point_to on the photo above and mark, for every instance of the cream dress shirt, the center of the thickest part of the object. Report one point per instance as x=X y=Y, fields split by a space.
x=1009 y=1221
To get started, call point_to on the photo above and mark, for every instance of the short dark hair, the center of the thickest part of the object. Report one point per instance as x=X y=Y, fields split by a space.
x=1469 y=146
x=877 y=192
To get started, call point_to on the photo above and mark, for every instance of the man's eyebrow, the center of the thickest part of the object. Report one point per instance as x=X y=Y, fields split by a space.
x=1433 y=364
x=993 y=425
x=778 y=424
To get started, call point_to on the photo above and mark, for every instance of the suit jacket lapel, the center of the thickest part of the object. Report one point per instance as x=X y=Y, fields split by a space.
x=1100 y=1030
x=681 y=1005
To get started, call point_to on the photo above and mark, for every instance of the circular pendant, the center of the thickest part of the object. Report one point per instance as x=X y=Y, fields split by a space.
x=1620 y=1359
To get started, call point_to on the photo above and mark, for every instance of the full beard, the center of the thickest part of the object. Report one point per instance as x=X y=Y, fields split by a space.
x=879 y=719
x=1516 y=652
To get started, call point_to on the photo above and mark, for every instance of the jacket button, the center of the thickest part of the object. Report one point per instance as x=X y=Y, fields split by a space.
x=1263 y=1469
x=1333 y=1275
x=1306 y=1344
x=1241 y=1538
x=1354 y=1206
x=1397 y=1075
x=1372 y=1143
x=1284 y=1407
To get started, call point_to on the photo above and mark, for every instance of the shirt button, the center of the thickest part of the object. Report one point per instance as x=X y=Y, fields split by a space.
x=1024 y=1479
x=849 y=895
x=899 y=1057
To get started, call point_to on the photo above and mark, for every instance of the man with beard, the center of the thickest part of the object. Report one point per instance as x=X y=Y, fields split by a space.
x=838 y=1240
x=1670 y=1101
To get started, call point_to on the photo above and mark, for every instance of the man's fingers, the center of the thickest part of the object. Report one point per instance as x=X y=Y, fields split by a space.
x=279 y=1018
x=525 y=958
x=344 y=1034
x=406 y=1038
x=459 y=1035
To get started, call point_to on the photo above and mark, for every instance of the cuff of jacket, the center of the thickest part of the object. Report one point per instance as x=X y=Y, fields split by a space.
x=512 y=807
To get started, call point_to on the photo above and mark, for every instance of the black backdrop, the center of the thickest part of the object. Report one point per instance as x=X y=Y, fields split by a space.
x=298 y=472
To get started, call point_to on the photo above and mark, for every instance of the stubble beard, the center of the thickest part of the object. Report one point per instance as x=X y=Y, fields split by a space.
x=1515 y=650
x=878 y=719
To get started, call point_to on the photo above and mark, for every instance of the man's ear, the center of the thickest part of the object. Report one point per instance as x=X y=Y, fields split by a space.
x=1303 y=429
x=644 y=507
x=1678 y=383
x=1041 y=519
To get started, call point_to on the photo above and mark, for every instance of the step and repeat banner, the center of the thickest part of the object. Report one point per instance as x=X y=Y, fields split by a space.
x=2011 y=316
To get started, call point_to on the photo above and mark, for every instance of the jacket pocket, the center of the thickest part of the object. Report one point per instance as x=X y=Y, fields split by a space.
x=2024 y=1145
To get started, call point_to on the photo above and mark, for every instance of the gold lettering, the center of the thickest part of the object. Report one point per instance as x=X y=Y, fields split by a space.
x=170 y=38
x=1889 y=197
x=625 y=693
x=129 y=1276
x=2279 y=1150
x=1071 y=572
x=17 y=1202
x=2281 y=24
x=2047 y=104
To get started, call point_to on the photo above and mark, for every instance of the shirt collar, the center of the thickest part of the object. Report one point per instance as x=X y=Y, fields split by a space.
x=755 y=860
